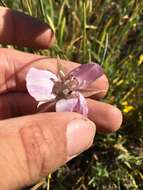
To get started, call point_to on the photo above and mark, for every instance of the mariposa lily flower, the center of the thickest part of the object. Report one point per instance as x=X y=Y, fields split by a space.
x=66 y=90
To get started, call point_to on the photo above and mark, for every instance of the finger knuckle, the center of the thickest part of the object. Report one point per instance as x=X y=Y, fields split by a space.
x=34 y=144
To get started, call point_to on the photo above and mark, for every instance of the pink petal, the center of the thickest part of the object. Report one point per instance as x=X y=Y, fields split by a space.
x=39 y=84
x=66 y=105
x=81 y=106
x=86 y=73
x=78 y=105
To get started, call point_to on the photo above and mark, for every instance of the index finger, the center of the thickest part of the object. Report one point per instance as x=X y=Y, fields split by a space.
x=14 y=66
x=19 y=29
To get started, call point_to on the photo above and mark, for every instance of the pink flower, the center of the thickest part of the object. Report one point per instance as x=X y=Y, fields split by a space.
x=66 y=90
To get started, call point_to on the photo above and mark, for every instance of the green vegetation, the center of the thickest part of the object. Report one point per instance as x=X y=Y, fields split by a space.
x=110 y=33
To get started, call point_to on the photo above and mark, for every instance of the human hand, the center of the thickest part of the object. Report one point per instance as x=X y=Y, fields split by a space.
x=34 y=145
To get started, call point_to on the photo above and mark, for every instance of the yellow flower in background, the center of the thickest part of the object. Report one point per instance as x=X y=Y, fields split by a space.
x=124 y=103
x=127 y=108
x=140 y=59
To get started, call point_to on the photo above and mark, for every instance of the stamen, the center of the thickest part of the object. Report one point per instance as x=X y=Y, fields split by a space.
x=66 y=91
x=67 y=82
x=73 y=86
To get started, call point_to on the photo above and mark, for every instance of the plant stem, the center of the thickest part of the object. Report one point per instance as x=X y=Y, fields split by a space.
x=48 y=181
x=84 y=31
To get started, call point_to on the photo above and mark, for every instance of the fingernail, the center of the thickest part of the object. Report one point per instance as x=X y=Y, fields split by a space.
x=80 y=135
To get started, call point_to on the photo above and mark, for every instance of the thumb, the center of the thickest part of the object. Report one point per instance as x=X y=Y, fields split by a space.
x=33 y=146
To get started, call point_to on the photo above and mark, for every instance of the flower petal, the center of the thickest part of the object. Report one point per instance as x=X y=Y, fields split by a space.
x=66 y=105
x=77 y=104
x=39 y=84
x=81 y=106
x=86 y=73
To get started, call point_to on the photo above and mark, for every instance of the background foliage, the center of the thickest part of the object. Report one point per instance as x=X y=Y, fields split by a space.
x=110 y=33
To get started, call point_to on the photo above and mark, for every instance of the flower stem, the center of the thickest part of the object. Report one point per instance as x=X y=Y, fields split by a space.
x=48 y=181
x=38 y=185
x=84 y=31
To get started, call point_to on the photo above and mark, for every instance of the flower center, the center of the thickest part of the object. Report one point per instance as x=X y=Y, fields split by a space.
x=63 y=89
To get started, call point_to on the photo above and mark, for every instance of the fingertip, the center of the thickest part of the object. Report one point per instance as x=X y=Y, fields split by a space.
x=108 y=118
x=32 y=32
x=114 y=120
x=118 y=118
x=46 y=39
x=102 y=86
x=80 y=136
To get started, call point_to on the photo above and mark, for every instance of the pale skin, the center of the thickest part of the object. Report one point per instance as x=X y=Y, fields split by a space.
x=34 y=145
